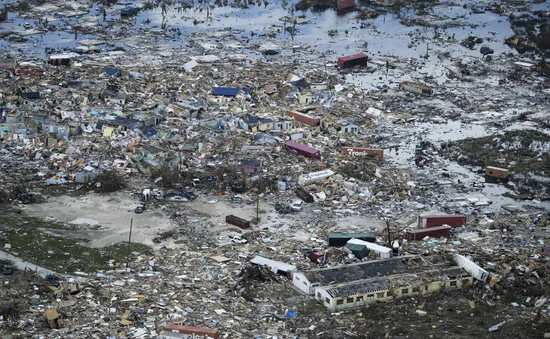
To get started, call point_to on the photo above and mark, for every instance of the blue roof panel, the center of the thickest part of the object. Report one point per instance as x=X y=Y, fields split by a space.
x=229 y=91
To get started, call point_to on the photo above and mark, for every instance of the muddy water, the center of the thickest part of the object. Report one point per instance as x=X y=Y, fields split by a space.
x=385 y=34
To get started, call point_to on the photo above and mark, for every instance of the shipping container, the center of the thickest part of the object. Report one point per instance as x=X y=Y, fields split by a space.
x=304 y=150
x=342 y=238
x=195 y=332
x=23 y=71
x=453 y=220
x=342 y=4
x=496 y=172
x=304 y=118
x=361 y=151
x=304 y=195
x=317 y=257
x=416 y=88
x=359 y=59
x=359 y=251
x=433 y=232
x=239 y=222
x=306 y=179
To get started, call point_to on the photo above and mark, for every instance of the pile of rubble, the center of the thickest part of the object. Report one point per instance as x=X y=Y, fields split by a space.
x=239 y=161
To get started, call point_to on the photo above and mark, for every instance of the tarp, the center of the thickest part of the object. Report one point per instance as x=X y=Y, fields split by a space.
x=229 y=91
x=112 y=71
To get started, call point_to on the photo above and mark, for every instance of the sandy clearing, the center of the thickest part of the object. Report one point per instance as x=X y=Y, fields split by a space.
x=112 y=212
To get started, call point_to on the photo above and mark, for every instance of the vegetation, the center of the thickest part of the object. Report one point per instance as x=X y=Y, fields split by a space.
x=59 y=247
x=168 y=176
x=110 y=181
x=3 y=14
x=514 y=150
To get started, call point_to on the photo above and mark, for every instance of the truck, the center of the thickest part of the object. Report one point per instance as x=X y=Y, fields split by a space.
x=453 y=220
x=197 y=183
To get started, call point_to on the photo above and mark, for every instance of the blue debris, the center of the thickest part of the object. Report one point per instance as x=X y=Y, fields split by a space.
x=291 y=314
x=229 y=91
x=112 y=71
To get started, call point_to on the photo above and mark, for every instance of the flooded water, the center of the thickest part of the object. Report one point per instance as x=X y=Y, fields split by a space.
x=385 y=35
x=411 y=135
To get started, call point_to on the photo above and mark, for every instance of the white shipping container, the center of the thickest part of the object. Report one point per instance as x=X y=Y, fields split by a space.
x=306 y=179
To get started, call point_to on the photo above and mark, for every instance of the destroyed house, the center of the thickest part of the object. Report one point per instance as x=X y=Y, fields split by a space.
x=12 y=128
x=248 y=166
x=282 y=126
x=51 y=127
x=122 y=124
x=61 y=59
x=254 y=124
x=128 y=11
x=343 y=126
x=30 y=95
x=152 y=151
x=117 y=98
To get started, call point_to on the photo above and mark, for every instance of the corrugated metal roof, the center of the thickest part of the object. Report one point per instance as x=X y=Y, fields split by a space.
x=275 y=265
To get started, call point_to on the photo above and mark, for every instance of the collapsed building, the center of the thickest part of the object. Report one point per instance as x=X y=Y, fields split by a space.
x=358 y=284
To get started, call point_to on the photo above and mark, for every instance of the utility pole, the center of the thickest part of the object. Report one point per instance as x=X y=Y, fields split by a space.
x=388 y=230
x=258 y=209
x=129 y=242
